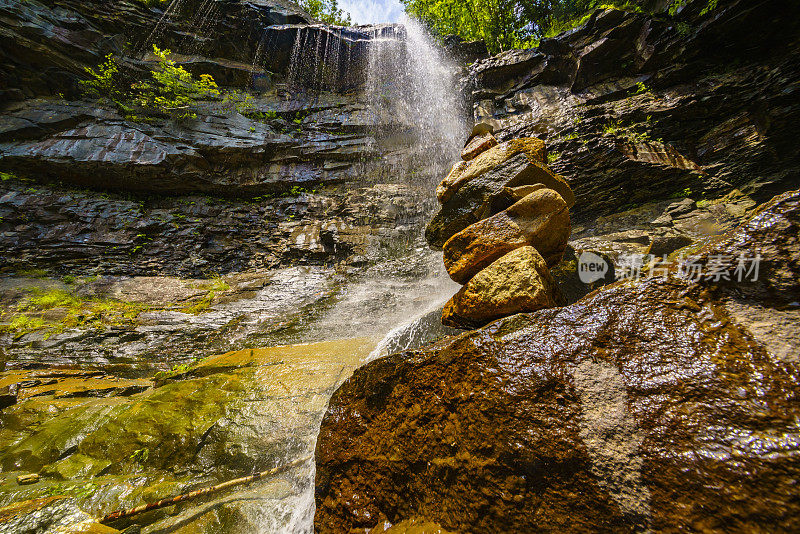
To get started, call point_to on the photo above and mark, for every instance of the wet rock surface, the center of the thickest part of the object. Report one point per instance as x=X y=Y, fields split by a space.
x=540 y=219
x=486 y=194
x=516 y=282
x=637 y=108
x=520 y=227
x=229 y=415
x=644 y=406
x=49 y=514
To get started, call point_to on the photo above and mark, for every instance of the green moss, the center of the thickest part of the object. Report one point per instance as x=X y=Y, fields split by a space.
x=23 y=324
x=32 y=273
x=214 y=286
x=29 y=314
x=51 y=298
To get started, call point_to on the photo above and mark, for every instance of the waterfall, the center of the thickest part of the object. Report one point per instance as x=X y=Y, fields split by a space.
x=408 y=86
x=409 y=77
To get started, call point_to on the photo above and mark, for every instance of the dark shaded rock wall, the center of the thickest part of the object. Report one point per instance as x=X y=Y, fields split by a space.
x=306 y=175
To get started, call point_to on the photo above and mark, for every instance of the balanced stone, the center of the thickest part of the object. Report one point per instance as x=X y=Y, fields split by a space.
x=478 y=145
x=533 y=147
x=541 y=220
x=487 y=194
x=517 y=282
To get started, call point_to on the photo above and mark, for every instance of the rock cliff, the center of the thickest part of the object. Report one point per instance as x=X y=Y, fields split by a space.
x=294 y=165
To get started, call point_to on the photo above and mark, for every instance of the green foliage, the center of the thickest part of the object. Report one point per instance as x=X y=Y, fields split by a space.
x=23 y=324
x=617 y=129
x=677 y=4
x=177 y=369
x=712 y=5
x=104 y=80
x=173 y=90
x=506 y=24
x=32 y=273
x=140 y=456
x=612 y=127
x=152 y=3
x=327 y=11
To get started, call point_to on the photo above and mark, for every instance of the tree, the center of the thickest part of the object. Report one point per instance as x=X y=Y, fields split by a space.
x=505 y=24
x=327 y=11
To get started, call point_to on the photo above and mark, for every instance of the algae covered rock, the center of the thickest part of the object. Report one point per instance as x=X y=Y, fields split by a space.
x=49 y=514
x=227 y=416
x=540 y=220
x=517 y=282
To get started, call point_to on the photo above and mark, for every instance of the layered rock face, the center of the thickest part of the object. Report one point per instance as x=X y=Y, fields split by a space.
x=642 y=111
x=522 y=228
x=207 y=234
x=648 y=406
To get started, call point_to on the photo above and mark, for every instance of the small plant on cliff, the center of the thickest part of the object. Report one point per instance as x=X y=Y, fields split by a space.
x=677 y=4
x=639 y=89
x=104 y=80
x=140 y=456
x=173 y=90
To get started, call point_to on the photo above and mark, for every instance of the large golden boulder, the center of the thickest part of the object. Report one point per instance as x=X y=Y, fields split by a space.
x=486 y=195
x=517 y=282
x=485 y=161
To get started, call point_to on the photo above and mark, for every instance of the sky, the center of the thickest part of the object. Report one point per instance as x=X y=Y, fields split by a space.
x=372 y=11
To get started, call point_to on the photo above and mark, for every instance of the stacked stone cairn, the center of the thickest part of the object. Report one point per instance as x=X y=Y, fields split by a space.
x=503 y=223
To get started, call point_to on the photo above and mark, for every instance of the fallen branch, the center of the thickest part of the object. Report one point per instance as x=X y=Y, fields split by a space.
x=119 y=514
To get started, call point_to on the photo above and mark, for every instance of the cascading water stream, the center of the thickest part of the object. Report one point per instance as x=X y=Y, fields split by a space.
x=409 y=91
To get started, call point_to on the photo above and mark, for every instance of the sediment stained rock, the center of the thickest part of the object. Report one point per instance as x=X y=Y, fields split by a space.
x=645 y=406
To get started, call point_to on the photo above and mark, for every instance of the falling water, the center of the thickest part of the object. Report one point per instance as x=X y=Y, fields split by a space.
x=172 y=8
x=410 y=78
x=408 y=84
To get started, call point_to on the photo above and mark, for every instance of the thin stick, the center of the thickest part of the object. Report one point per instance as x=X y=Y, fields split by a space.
x=119 y=514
